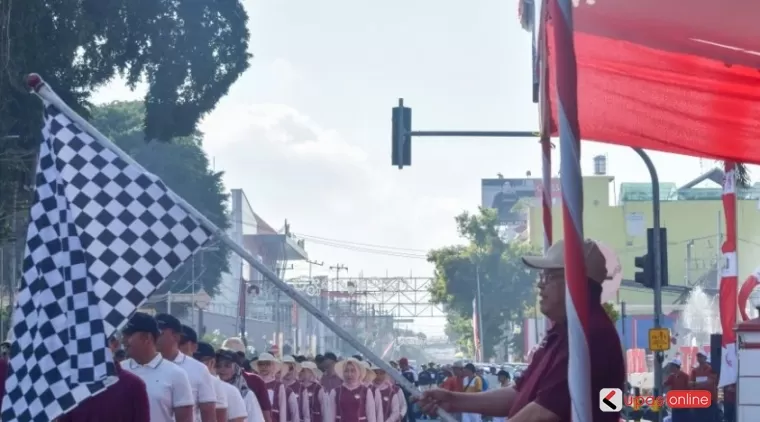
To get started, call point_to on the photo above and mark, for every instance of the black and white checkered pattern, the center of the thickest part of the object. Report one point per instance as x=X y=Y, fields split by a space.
x=102 y=237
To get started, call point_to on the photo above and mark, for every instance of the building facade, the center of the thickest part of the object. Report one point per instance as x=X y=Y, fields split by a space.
x=695 y=222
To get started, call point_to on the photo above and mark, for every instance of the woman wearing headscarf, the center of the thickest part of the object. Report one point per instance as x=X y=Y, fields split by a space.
x=268 y=368
x=352 y=401
x=231 y=372
x=369 y=381
x=313 y=396
x=389 y=396
x=290 y=371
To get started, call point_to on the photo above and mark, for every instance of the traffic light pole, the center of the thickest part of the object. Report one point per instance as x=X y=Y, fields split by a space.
x=657 y=282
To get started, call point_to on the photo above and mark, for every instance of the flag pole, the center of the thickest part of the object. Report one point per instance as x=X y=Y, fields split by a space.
x=571 y=180
x=42 y=90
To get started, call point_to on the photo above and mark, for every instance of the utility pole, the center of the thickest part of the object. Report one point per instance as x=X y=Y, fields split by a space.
x=337 y=268
x=279 y=337
x=311 y=331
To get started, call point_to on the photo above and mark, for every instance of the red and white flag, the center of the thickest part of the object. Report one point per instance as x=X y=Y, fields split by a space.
x=476 y=331
x=729 y=280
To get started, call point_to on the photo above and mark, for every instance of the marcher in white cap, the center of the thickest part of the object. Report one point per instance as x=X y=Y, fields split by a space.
x=390 y=397
x=352 y=401
x=268 y=367
x=290 y=371
x=369 y=381
x=313 y=396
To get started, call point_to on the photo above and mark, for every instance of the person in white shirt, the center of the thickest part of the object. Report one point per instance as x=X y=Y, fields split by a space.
x=205 y=354
x=170 y=396
x=200 y=379
x=231 y=373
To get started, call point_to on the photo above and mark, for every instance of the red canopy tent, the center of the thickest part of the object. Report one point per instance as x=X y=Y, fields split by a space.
x=680 y=76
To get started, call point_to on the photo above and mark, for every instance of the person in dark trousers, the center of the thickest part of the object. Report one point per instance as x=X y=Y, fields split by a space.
x=542 y=393
x=411 y=376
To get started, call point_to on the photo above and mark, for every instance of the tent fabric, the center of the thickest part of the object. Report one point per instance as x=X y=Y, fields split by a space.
x=680 y=76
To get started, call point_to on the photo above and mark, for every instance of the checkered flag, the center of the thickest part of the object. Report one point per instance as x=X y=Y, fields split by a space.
x=102 y=236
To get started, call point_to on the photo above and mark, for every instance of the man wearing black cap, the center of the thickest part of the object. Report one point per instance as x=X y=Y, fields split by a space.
x=236 y=411
x=170 y=397
x=188 y=341
x=205 y=354
x=200 y=379
x=330 y=380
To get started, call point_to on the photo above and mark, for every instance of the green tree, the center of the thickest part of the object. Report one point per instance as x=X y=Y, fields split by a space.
x=611 y=311
x=188 y=52
x=506 y=285
x=184 y=167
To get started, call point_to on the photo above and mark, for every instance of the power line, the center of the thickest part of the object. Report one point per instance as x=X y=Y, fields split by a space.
x=346 y=242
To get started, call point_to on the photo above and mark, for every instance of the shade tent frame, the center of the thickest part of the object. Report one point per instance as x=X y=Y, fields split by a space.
x=46 y=93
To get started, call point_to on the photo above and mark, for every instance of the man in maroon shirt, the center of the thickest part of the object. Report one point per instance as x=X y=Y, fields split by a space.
x=542 y=394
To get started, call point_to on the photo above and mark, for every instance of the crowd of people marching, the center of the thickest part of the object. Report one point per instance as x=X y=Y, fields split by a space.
x=166 y=374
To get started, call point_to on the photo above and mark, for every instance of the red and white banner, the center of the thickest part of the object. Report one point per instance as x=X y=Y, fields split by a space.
x=729 y=280
x=476 y=331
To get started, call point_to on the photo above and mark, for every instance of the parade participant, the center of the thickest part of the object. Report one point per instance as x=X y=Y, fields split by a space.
x=205 y=354
x=290 y=373
x=170 y=396
x=236 y=409
x=411 y=376
x=254 y=381
x=129 y=388
x=389 y=396
x=703 y=378
x=188 y=341
x=232 y=373
x=542 y=393
x=268 y=367
x=369 y=382
x=352 y=401
x=313 y=396
x=200 y=379
x=330 y=380
x=677 y=380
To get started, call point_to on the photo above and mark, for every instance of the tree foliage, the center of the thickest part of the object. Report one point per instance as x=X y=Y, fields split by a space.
x=506 y=285
x=611 y=311
x=189 y=53
x=184 y=167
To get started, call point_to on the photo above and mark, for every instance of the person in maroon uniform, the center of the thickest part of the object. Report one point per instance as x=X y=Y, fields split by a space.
x=289 y=378
x=313 y=396
x=254 y=382
x=268 y=367
x=128 y=389
x=352 y=401
x=369 y=381
x=389 y=395
x=542 y=393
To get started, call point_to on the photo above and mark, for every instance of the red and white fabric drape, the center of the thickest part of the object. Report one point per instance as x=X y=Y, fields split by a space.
x=729 y=280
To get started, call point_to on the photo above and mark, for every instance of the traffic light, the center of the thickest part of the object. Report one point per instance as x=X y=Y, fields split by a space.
x=645 y=277
x=401 y=138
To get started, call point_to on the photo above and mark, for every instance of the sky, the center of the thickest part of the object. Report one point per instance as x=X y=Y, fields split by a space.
x=305 y=132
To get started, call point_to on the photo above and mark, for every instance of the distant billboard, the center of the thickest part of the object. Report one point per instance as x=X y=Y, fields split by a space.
x=504 y=195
